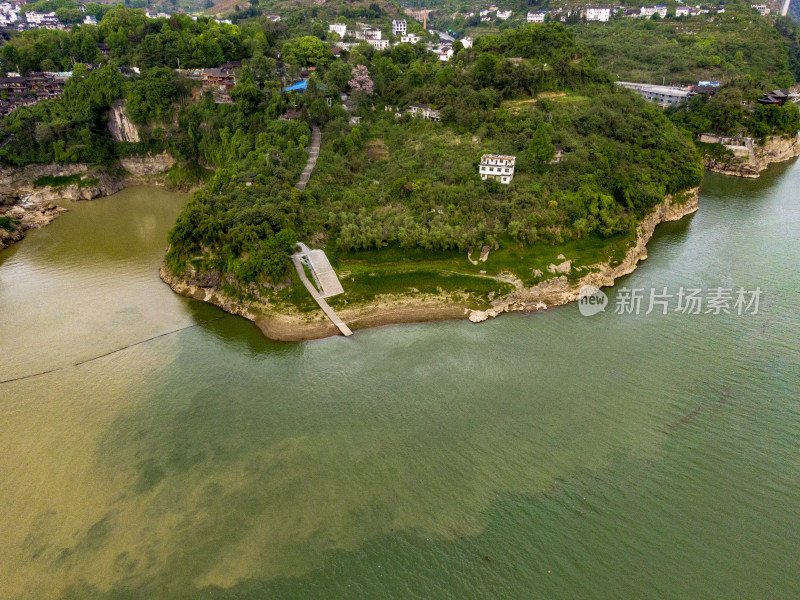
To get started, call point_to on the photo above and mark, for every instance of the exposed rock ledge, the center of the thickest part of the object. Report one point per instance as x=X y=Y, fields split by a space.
x=148 y=165
x=385 y=311
x=25 y=218
x=31 y=207
x=750 y=162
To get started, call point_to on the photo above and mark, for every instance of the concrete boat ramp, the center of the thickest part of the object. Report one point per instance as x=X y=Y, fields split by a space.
x=327 y=283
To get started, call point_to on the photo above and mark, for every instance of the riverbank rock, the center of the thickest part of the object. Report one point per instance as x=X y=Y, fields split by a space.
x=25 y=217
x=560 y=290
x=564 y=267
x=751 y=159
x=29 y=206
x=149 y=164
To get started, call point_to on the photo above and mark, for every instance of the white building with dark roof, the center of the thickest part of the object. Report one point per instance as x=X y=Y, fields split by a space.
x=499 y=167
x=398 y=27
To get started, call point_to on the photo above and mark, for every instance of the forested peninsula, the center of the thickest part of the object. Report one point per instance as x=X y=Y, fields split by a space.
x=395 y=199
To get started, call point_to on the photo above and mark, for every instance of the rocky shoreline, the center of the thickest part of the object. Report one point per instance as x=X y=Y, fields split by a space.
x=753 y=161
x=397 y=310
x=560 y=290
x=25 y=206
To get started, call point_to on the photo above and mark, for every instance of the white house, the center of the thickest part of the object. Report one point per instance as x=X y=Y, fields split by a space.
x=410 y=38
x=443 y=52
x=466 y=42
x=598 y=13
x=339 y=28
x=37 y=18
x=683 y=11
x=398 y=27
x=423 y=111
x=503 y=14
x=649 y=11
x=762 y=9
x=366 y=33
x=89 y=20
x=379 y=44
x=498 y=167
x=537 y=17
x=9 y=13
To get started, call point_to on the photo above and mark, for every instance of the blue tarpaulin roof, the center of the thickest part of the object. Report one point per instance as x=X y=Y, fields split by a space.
x=297 y=87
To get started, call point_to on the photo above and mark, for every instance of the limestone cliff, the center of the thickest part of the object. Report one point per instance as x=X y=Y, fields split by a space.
x=749 y=161
x=120 y=126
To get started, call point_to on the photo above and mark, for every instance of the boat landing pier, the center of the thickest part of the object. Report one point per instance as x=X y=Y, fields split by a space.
x=327 y=283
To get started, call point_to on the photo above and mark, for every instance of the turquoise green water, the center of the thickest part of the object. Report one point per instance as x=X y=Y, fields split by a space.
x=542 y=456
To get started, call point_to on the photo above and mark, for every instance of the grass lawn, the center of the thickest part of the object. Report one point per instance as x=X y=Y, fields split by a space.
x=394 y=270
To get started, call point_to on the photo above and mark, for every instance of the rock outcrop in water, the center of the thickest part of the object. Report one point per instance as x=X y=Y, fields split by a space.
x=750 y=160
x=120 y=126
x=19 y=219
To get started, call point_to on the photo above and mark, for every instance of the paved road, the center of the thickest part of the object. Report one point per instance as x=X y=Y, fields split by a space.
x=313 y=153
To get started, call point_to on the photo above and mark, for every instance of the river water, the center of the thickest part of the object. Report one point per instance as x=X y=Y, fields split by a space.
x=544 y=456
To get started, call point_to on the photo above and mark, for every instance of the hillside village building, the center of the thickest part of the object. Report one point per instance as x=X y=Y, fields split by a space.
x=40 y=20
x=499 y=167
x=665 y=95
x=366 y=34
x=537 y=17
x=379 y=44
x=410 y=38
x=398 y=27
x=503 y=14
x=9 y=13
x=339 y=28
x=24 y=91
x=423 y=111
x=598 y=13
x=762 y=9
x=649 y=11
